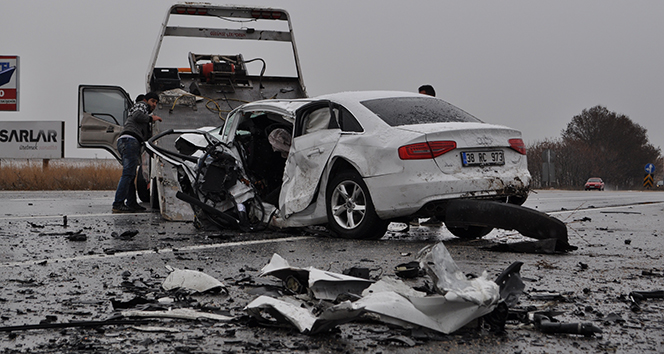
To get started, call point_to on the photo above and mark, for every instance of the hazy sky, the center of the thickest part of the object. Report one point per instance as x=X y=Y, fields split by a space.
x=530 y=65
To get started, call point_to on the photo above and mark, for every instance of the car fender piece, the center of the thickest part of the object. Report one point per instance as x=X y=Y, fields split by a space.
x=528 y=222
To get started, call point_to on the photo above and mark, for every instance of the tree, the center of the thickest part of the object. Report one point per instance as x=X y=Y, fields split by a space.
x=606 y=144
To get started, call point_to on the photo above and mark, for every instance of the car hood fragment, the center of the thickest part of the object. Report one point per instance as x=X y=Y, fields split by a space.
x=457 y=301
x=191 y=280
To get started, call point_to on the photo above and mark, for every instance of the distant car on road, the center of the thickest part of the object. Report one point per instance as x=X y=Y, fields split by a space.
x=660 y=184
x=594 y=183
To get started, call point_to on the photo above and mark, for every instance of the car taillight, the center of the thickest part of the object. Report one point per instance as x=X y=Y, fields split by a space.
x=427 y=150
x=518 y=146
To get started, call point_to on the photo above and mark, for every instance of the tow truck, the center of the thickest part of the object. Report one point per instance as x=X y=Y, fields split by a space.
x=207 y=60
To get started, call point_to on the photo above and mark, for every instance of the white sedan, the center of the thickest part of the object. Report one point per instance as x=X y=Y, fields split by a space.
x=353 y=161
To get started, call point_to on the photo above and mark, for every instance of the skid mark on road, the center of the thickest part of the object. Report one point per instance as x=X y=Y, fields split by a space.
x=147 y=252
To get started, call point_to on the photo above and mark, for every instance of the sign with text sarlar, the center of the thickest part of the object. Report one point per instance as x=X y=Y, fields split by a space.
x=32 y=140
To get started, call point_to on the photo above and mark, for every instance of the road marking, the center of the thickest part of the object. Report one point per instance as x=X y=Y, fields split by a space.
x=144 y=252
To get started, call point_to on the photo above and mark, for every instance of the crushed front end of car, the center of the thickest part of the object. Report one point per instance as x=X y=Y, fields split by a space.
x=212 y=180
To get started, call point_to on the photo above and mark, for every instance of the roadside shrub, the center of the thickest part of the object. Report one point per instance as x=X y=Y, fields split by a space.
x=33 y=175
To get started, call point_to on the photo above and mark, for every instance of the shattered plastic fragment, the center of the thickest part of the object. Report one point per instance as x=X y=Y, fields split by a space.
x=191 y=279
x=447 y=277
x=510 y=283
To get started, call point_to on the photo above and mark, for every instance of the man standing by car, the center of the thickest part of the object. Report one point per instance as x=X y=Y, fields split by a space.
x=433 y=221
x=427 y=90
x=135 y=132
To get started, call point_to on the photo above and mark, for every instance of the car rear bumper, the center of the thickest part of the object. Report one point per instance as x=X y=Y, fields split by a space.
x=399 y=195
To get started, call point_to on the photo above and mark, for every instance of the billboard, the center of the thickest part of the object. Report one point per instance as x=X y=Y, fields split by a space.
x=9 y=82
x=32 y=140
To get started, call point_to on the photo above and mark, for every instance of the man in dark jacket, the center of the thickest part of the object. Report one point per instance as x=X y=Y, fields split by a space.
x=136 y=131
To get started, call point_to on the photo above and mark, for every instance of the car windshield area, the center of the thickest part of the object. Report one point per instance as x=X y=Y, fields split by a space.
x=416 y=110
x=595 y=180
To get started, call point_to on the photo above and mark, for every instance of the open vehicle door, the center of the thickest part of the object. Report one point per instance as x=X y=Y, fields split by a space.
x=315 y=135
x=102 y=111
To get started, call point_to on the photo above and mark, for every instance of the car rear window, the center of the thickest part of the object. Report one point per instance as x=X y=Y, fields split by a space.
x=416 y=110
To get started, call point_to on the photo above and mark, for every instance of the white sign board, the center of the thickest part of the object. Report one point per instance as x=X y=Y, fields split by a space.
x=9 y=82
x=32 y=140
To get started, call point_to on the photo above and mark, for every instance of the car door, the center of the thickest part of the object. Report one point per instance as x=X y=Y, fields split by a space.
x=315 y=136
x=102 y=111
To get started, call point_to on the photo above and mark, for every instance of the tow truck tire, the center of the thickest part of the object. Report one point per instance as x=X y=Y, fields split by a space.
x=350 y=211
x=142 y=187
x=470 y=232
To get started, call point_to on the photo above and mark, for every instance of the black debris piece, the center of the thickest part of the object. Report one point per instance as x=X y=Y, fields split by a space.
x=546 y=325
x=117 y=304
x=358 y=272
x=127 y=235
x=408 y=270
x=528 y=222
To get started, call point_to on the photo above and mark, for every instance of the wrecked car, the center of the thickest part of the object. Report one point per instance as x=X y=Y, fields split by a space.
x=353 y=161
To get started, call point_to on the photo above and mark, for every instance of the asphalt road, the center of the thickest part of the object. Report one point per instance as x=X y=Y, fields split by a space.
x=64 y=257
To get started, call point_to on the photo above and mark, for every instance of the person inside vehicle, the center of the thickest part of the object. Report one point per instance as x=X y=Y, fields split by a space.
x=137 y=129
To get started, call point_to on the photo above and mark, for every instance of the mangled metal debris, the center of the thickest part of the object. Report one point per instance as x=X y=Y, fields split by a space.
x=191 y=280
x=454 y=302
x=303 y=319
x=457 y=302
x=323 y=284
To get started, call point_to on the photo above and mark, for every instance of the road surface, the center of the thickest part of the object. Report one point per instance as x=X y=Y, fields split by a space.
x=64 y=257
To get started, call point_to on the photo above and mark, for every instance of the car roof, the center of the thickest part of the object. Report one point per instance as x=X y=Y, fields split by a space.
x=344 y=98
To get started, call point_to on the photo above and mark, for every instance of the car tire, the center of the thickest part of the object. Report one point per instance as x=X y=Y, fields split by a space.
x=350 y=211
x=470 y=232
x=142 y=187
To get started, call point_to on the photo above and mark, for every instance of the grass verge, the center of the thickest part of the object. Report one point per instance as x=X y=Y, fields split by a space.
x=35 y=175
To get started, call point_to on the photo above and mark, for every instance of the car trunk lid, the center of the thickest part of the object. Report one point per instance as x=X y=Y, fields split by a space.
x=477 y=144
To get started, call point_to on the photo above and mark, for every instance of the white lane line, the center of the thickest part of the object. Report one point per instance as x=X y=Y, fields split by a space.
x=145 y=252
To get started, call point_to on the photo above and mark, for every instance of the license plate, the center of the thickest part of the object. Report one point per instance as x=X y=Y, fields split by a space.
x=482 y=158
